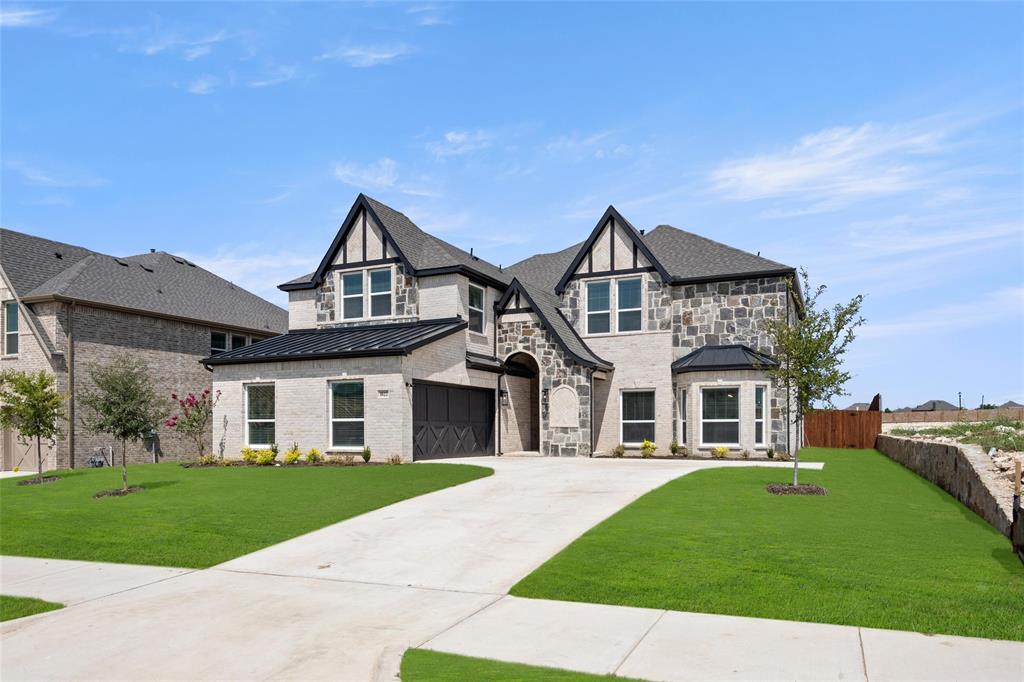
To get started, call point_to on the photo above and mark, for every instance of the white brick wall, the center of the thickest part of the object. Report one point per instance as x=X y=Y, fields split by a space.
x=745 y=381
x=302 y=309
x=641 y=361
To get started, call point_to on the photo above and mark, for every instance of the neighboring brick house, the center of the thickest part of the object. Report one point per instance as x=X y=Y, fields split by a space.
x=403 y=343
x=66 y=308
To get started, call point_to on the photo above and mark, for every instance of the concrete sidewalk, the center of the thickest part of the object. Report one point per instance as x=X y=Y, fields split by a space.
x=671 y=646
x=74 y=582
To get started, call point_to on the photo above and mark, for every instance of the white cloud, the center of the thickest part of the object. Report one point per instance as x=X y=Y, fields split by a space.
x=20 y=17
x=363 y=56
x=834 y=165
x=460 y=142
x=989 y=308
x=599 y=145
x=380 y=174
x=193 y=53
x=276 y=198
x=204 y=85
x=34 y=175
x=276 y=76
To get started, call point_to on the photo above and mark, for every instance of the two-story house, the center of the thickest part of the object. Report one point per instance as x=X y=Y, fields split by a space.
x=409 y=345
x=66 y=309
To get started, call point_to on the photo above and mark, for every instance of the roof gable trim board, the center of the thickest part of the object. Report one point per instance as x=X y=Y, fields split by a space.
x=615 y=218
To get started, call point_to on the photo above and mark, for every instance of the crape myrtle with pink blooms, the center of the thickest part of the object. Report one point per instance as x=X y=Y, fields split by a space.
x=196 y=415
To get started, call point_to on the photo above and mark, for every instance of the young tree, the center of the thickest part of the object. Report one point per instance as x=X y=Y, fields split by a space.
x=196 y=416
x=810 y=351
x=123 y=403
x=31 y=404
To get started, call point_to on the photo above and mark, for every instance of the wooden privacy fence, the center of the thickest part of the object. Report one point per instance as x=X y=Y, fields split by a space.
x=842 y=428
x=953 y=415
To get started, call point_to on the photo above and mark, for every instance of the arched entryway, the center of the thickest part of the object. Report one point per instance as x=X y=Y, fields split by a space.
x=520 y=404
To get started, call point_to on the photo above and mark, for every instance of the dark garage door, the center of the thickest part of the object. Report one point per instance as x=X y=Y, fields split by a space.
x=451 y=421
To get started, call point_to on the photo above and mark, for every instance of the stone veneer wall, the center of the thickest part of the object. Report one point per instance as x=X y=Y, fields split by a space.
x=404 y=301
x=722 y=313
x=964 y=471
x=555 y=370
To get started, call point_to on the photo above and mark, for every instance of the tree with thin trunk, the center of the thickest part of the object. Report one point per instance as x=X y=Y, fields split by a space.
x=810 y=350
x=31 y=404
x=123 y=404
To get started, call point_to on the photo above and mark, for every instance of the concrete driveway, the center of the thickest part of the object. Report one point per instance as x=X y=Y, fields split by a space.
x=345 y=601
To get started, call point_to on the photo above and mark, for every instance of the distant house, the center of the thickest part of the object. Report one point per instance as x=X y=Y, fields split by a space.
x=66 y=308
x=859 y=407
x=935 y=406
x=1011 y=403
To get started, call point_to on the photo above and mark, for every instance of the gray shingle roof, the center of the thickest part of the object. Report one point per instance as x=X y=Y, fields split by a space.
x=689 y=256
x=933 y=405
x=734 y=356
x=158 y=283
x=371 y=340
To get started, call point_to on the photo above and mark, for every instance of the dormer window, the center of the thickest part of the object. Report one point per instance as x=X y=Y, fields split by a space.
x=366 y=294
x=476 y=309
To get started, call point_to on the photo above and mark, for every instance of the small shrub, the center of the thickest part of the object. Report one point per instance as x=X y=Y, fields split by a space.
x=274 y=449
x=619 y=450
x=347 y=460
x=684 y=452
x=720 y=452
x=771 y=453
x=292 y=454
x=265 y=458
x=249 y=455
x=647 y=449
x=314 y=456
x=746 y=454
x=395 y=459
x=207 y=460
x=782 y=455
x=366 y=453
x=674 y=447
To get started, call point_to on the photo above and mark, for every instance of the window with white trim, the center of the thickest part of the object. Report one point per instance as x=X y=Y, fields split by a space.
x=348 y=416
x=637 y=417
x=218 y=342
x=720 y=416
x=10 y=328
x=628 y=304
x=259 y=415
x=476 y=309
x=759 y=410
x=352 y=296
x=682 y=416
x=239 y=341
x=380 y=292
x=599 y=306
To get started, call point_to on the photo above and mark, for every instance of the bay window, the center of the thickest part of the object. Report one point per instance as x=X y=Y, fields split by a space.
x=476 y=309
x=628 y=305
x=637 y=417
x=759 y=410
x=598 y=307
x=720 y=416
x=347 y=415
x=259 y=415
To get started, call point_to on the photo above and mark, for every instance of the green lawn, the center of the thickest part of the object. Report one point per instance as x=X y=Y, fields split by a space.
x=199 y=517
x=19 y=607
x=883 y=549
x=421 y=665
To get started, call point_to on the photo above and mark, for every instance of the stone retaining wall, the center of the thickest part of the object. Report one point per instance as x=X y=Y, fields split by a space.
x=964 y=471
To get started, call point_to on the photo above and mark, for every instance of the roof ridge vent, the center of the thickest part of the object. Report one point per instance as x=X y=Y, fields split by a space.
x=58 y=255
x=178 y=259
x=146 y=268
x=121 y=262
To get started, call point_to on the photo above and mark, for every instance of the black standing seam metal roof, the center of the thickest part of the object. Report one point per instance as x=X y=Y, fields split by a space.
x=713 y=358
x=364 y=341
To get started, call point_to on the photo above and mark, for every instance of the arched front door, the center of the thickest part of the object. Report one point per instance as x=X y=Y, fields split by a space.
x=520 y=415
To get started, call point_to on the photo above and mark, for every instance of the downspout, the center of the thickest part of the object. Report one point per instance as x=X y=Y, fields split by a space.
x=71 y=384
x=592 y=412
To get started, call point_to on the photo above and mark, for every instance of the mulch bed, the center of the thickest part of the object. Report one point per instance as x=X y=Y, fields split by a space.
x=802 y=489
x=120 y=492
x=239 y=463
x=36 y=481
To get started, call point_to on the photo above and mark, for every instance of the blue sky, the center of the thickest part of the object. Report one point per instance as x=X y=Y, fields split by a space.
x=879 y=145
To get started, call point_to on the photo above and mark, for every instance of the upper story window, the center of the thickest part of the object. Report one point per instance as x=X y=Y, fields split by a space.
x=599 y=305
x=619 y=300
x=352 y=296
x=380 y=293
x=10 y=328
x=476 y=309
x=365 y=294
x=629 y=305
